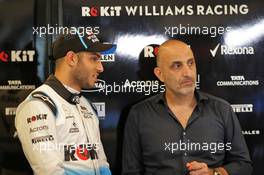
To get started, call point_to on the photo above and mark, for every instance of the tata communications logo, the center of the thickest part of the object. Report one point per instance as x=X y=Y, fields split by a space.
x=16 y=85
x=228 y=50
x=237 y=80
x=17 y=56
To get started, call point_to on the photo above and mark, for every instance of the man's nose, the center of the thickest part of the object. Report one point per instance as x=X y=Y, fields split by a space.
x=186 y=71
x=100 y=67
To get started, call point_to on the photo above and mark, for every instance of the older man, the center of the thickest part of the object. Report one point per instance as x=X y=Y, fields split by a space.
x=183 y=131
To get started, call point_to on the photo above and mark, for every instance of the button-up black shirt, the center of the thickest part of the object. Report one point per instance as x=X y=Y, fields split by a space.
x=156 y=143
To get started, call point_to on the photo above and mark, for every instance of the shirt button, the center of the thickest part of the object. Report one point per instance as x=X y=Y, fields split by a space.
x=184 y=133
x=185 y=154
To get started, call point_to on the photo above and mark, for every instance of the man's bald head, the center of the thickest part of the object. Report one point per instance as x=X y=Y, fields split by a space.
x=178 y=47
x=176 y=67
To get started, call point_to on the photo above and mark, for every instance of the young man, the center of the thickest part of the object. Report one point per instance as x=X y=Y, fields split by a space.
x=183 y=131
x=58 y=128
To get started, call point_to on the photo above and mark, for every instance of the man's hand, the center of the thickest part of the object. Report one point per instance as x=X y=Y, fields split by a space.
x=198 y=168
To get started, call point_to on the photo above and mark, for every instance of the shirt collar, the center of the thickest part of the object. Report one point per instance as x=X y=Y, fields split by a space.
x=74 y=91
x=200 y=97
x=59 y=88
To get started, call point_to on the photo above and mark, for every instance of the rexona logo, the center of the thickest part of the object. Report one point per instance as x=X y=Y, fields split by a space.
x=226 y=50
x=17 y=56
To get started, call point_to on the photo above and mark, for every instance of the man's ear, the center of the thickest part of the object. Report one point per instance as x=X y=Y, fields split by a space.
x=158 y=73
x=71 y=58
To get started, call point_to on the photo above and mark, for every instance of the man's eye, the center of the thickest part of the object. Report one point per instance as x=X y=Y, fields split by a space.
x=190 y=63
x=95 y=58
x=176 y=65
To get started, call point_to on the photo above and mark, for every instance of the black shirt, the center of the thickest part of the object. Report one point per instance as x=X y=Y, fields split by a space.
x=156 y=143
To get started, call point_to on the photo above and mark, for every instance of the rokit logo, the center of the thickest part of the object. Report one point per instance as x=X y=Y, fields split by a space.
x=101 y=11
x=242 y=108
x=18 y=56
x=3 y=56
x=227 y=50
x=151 y=51
x=100 y=108
x=80 y=152
x=10 y=111
x=16 y=85
x=238 y=80
x=147 y=62
x=173 y=10
x=37 y=118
